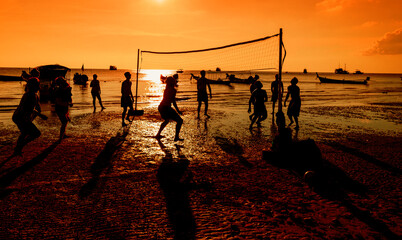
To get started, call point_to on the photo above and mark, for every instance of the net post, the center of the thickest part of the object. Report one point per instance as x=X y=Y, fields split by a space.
x=280 y=71
x=280 y=117
x=136 y=81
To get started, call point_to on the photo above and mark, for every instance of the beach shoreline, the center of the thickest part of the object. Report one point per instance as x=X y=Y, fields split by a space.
x=105 y=181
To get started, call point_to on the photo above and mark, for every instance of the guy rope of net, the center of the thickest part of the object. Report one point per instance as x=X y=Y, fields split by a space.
x=254 y=55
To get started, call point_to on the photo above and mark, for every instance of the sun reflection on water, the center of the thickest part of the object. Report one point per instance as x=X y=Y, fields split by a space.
x=155 y=87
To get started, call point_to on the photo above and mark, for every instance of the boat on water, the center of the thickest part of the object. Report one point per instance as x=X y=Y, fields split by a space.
x=358 y=72
x=343 y=81
x=341 y=71
x=179 y=71
x=111 y=67
x=48 y=73
x=233 y=79
x=305 y=71
x=80 y=79
x=218 y=81
x=51 y=72
x=11 y=78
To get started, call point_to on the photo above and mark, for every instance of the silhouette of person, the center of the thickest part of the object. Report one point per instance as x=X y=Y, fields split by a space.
x=252 y=88
x=166 y=110
x=26 y=112
x=258 y=97
x=202 y=94
x=95 y=91
x=63 y=100
x=275 y=85
x=127 y=97
x=295 y=102
x=252 y=84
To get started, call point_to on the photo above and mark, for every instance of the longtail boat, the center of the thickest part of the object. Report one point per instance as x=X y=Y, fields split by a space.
x=343 y=81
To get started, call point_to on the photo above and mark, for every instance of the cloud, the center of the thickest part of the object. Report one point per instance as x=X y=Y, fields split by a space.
x=369 y=24
x=390 y=44
x=339 y=5
x=332 y=5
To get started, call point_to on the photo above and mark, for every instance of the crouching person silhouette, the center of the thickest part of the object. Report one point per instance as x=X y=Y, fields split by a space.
x=26 y=112
x=166 y=110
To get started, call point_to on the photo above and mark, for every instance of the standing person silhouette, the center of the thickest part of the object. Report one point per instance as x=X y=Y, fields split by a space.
x=63 y=100
x=252 y=88
x=202 y=94
x=295 y=102
x=166 y=110
x=95 y=91
x=253 y=81
x=259 y=97
x=26 y=112
x=275 y=91
x=127 y=97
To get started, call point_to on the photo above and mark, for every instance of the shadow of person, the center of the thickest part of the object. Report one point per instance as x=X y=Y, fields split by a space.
x=304 y=159
x=176 y=180
x=231 y=146
x=205 y=130
x=7 y=179
x=334 y=184
x=102 y=162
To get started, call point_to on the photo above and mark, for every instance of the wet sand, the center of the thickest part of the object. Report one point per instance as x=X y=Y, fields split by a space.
x=109 y=182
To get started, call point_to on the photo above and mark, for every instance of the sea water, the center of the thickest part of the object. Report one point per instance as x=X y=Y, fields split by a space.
x=376 y=105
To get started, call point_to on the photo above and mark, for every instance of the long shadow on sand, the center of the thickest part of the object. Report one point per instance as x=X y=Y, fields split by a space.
x=334 y=184
x=7 y=179
x=365 y=157
x=176 y=181
x=232 y=147
x=327 y=180
x=102 y=162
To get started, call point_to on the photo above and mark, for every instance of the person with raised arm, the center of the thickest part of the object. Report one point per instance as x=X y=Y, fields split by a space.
x=166 y=110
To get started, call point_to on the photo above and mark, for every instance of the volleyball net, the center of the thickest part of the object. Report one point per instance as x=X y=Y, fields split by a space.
x=261 y=54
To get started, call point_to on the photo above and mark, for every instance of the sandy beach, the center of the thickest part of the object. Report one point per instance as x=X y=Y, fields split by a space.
x=109 y=182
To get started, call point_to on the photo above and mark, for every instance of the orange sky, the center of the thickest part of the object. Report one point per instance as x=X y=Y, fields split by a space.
x=319 y=35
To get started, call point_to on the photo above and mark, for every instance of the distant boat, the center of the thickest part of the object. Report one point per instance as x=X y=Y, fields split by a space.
x=358 y=72
x=51 y=72
x=341 y=71
x=80 y=79
x=219 y=81
x=218 y=69
x=10 y=78
x=179 y=71
x=343 y=81
x=233 y=79
x=305 y=71
x=112 y=67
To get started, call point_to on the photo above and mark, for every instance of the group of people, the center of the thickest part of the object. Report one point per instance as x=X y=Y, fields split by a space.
x=29 y=106
x=259 y=97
